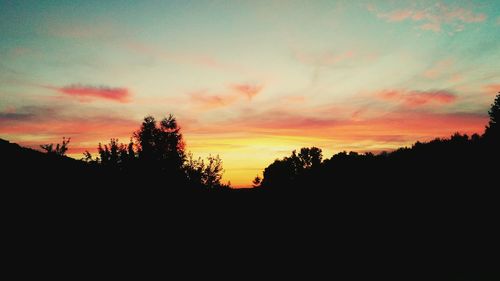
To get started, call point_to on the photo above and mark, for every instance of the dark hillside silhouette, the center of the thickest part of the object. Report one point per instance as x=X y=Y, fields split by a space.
x=433 y=206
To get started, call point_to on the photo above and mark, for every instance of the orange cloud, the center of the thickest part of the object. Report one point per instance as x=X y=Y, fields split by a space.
x=90 y=93
x=418 y=98
x=492 y=89
x=247 y=90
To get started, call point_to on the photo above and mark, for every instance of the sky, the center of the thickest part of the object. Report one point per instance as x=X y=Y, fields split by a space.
x=248 y=80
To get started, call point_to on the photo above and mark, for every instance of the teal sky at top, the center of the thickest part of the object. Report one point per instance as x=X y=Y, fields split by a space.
x=326 y=50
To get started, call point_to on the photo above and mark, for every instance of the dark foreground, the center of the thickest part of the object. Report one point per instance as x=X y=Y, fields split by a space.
x=425 y=221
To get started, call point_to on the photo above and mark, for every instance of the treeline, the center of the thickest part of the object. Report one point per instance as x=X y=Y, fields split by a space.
x=155 y=155
x=458 y=162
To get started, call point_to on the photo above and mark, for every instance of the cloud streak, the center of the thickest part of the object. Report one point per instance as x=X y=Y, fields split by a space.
x=394 y=127
x=418 y=98
x=87 y=93
x=247 y=90
x=208 y=101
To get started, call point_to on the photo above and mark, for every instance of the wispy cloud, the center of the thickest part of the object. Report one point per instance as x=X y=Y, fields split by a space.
x=418 y=98
x=438 y=69
x=206 y=100
x=433 y=18
x=247 y=90
x=392 y=127
x=86 y=93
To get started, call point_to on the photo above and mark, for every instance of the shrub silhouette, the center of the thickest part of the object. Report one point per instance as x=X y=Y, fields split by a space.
x=59 y=150
x=115 y=155
x=204 y=173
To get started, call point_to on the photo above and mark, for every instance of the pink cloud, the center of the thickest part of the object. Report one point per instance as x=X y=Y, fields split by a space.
x=418 y=98
x=247 y=90
x=90 y=93
x=435 y=17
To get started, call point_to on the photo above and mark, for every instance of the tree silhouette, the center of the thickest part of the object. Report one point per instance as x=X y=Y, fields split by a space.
x=310 y=157
x=256 y=181
x=160 y=145
x=207 y=174
x=60 y=149
x=492 y=129
x=284 y=172
x=213 y=171
x=114 y=154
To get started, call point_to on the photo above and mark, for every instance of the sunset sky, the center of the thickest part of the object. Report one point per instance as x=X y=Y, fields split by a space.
x=248 y=80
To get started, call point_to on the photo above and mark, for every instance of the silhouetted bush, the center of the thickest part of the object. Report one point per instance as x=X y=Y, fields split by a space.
x=60 y=149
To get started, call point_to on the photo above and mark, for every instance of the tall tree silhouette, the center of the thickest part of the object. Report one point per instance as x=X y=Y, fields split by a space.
x=161 y=144
x=492 y=131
